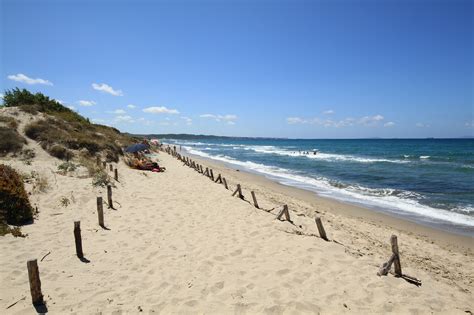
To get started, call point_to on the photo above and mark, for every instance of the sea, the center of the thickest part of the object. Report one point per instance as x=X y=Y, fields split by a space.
x=428 y=181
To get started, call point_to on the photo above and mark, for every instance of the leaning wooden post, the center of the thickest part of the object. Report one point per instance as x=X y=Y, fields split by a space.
x=238 y=190
x=100 y=211
x=78 y=239
x=207 y=171
x=35 y=282
x=321 y=230
x=219 y=179
x=200 y=166
x=396 y=262
x=225 y=183
x=285 y=212
x=211 y=174
x=255 y=203
x=111 y=167
x=109 y=196
x=116 y=174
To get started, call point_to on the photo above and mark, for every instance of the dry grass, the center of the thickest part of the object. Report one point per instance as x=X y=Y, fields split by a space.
x=10 y=141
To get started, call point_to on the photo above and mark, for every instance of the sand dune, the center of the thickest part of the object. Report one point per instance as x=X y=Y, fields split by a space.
x=179 y=243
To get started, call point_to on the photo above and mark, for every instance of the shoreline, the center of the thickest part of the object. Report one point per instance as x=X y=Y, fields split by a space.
x=441 y=236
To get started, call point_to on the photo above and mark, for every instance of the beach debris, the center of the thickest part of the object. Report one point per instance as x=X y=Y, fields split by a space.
x=35 y=282
x=45 y=256
x=285 y=212
x=78 y=239
x=321 y=230
x=255 y=203
x=239 y=190
x=13 y=304
x=395 y=260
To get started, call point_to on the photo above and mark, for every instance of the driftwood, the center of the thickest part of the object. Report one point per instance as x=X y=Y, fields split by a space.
x=285 y=212
x=45 y=256
x=13 y=304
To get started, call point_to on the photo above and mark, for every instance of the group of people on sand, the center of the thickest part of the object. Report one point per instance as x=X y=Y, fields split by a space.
x=139 y=161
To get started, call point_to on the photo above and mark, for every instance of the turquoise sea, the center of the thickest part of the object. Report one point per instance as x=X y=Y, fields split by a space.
x=429 y=181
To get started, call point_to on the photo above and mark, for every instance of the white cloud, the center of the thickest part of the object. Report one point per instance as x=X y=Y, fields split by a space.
x=59 y=101
x=20 y=77
x=117 y=112
x=328 y=112
x=160 y=110
x=389 y=124
x=107 y=89
x=131 y=106
x=71 y=107
x=421 y=125
x=231 y=122
x=365 y=121
x=188 y=120
x=226 y=118
x=123 y=118
x=370 y=120
x=86 y=103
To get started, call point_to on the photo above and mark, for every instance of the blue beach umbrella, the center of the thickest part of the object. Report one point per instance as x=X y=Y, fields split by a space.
x=137 y=147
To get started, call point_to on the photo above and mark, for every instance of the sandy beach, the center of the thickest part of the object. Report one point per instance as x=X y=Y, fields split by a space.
x=179 y=243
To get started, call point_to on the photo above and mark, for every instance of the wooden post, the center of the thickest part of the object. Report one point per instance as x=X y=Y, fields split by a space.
x=200 y=166
x=206 y=172
x=211 y=175
x=396 y=262
x=239 y=190
x=109 y=196
x=219 y=179
x=225 y=183
x=100 y=211
x=116 y=174
x=78 y=239
x=321 y=230
x=104 y=164
x=255 y=203
x=35 y=282
x=111 y=167
x=285 y=212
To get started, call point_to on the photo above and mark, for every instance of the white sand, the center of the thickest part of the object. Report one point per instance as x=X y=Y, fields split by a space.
x=179 y=243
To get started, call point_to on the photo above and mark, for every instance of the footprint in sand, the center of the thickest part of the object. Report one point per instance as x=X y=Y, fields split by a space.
x=282 y=272
x=237 y=252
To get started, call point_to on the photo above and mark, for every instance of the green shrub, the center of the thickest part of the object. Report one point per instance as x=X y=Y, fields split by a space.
x=60 y=152
x=14 y=203
x=10 y=141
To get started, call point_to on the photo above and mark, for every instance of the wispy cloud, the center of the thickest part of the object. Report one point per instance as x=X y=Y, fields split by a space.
x=389 y=124
x=188 y=120
x=422 y=125
x=71 y=107
x=160 y=110
x=131 y=106
x=117 y=112
x=20 y=77
x=364 y=121
x=124 y=118
x=229 y=119
x=107 y=89
x=328 y=112
x=86 y=103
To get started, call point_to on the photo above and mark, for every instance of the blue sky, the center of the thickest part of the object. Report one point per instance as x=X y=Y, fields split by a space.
x=300 y=69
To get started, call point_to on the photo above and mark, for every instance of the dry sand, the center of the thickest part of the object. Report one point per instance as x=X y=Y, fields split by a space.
x=179 y=243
